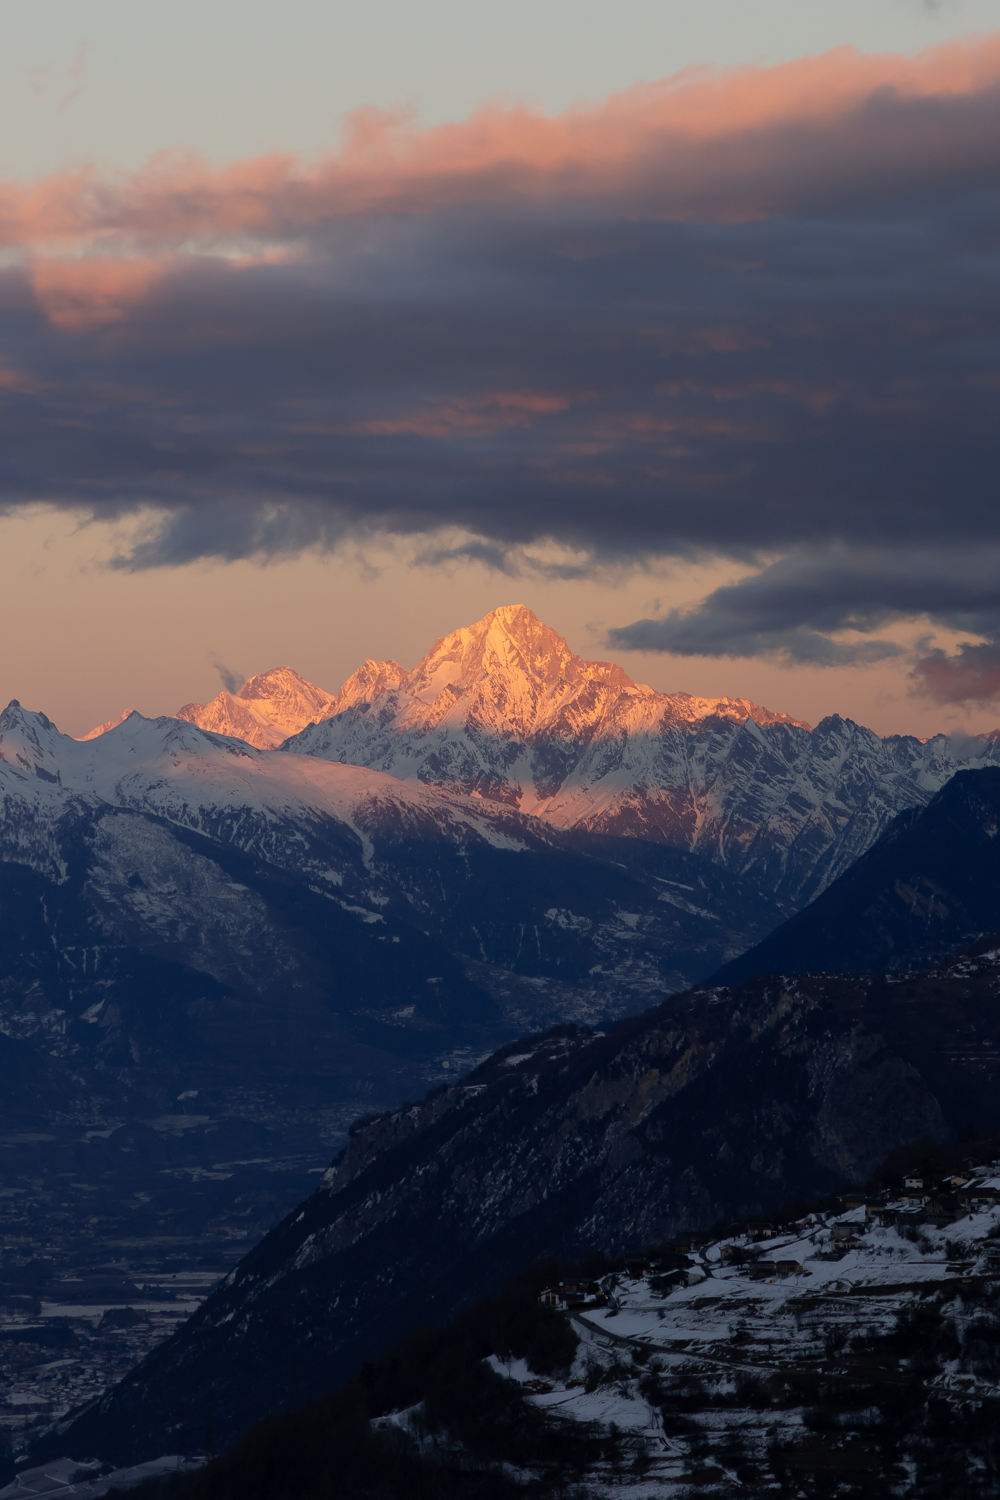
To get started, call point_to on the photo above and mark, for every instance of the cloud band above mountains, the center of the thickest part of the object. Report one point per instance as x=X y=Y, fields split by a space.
x=745 y=315
x=801 y=608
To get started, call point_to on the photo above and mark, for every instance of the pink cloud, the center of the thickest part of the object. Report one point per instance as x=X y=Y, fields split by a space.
x=971 y=675
x=734 y=144
x=83 y=294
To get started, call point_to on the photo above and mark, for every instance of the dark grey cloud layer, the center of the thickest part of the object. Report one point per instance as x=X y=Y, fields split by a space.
x=824 y=386
x=794 y=606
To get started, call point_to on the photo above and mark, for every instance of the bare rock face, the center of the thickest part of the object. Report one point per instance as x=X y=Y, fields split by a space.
x=503 y=710
x=729 y=1103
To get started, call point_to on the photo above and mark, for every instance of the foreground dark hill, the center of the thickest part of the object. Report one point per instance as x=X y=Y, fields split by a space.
x=734 y=1103
x=930 y=886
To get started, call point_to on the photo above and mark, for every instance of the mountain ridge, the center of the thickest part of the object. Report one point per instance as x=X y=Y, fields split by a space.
x=278 y=703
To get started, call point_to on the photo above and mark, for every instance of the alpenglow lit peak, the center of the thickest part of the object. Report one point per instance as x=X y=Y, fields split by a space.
x=265 y=711
x=503 y=709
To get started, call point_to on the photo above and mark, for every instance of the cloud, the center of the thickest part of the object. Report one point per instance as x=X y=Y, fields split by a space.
x=231 y=681
x=750 y=315
x=86 y=293
x=702 y=145
x=798 y=609
x=969 y=675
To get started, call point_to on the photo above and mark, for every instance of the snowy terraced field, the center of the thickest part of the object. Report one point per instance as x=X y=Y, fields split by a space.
x=731 y=1385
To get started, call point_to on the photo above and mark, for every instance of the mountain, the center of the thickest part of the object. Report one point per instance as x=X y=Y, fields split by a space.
x=292 y=942
x=505 y=712
x=274 y=705
x=213 y=958
x=266 y=710
x=731 y=1104
x=94 y=734
x=502 y=711
x=929 y=886
x=594 y=921
x=866 y=1365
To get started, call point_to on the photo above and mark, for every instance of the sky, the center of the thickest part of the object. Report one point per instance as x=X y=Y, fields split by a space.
x=324 y=329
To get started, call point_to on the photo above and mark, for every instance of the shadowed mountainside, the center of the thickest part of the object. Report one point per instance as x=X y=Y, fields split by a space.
x=930 y=886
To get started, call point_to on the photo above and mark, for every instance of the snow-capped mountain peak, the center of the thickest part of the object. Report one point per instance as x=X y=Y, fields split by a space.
x=518 y=671
x=370 y=680
x=98 y=730
x=503 y=709
x=31 y=743
x=266 y=710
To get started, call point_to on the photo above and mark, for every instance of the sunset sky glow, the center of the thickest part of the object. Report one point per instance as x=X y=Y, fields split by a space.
x=679 y=326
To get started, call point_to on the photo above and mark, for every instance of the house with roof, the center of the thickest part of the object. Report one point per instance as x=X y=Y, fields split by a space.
x=760 y=1229
x=942 y=1209
x=978 y=1195
x=844 y=1237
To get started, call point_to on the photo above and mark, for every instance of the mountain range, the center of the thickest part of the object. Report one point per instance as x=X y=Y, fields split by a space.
x=207 y=940
x=504 y=840
x=502 y=711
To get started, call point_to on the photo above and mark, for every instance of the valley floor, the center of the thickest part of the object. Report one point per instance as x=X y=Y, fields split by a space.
x=112 y=1233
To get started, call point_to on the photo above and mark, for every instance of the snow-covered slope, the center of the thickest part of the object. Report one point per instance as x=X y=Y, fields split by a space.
x=599 y=925
x=505 y=712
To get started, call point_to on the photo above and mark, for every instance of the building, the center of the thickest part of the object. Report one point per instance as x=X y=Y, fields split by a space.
x=762 y=1270
x=569 y=1294
x=760 y=1229
x=942 y=1209
x=637 y=1266
x=844 y=1237
x=978 y=1196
